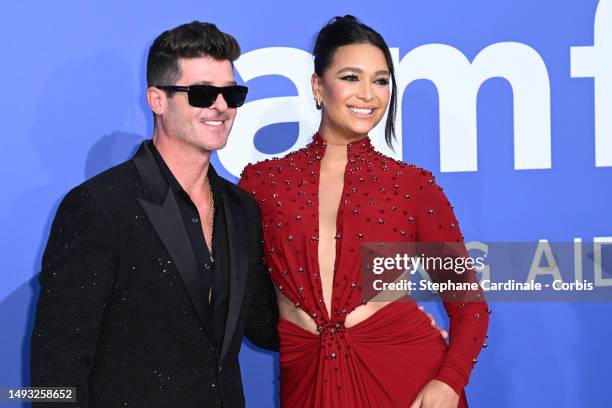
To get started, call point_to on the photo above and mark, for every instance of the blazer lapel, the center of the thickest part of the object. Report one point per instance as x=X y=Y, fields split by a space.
x=163 y=212
x=238 y=233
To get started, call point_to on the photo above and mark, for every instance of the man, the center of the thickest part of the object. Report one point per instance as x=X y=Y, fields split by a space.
x=153 y=270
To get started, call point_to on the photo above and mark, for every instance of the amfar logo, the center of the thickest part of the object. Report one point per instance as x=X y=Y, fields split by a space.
x=457 y=82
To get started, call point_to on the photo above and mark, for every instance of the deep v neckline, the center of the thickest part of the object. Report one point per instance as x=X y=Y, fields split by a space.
x=328 y=309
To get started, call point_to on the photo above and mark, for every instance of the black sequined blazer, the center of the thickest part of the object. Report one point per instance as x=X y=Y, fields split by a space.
x=120 y=308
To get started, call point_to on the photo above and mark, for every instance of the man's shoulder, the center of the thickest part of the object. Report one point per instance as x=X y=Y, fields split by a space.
x=119 y=173
x=107 y=188
x=238 y=194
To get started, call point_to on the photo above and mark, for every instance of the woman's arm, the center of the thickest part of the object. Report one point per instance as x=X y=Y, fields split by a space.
x=467 y=311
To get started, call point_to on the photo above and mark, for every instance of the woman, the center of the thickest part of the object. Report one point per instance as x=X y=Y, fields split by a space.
x=318 y=205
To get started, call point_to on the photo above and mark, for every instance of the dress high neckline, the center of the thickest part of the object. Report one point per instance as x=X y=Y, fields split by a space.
x=357 y=148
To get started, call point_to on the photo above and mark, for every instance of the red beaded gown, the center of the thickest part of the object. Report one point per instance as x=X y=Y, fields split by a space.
x=385 y=360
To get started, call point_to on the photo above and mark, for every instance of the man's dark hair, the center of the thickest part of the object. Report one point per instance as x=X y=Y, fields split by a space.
x=192 y=40
x=347 y=30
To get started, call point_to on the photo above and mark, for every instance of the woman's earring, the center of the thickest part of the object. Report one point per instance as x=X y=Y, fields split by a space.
x=318 y=105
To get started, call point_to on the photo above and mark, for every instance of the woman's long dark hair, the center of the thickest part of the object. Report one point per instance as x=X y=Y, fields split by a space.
x=347 y=30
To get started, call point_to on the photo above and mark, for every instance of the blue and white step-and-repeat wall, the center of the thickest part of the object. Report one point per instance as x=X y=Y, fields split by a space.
x=508 y=102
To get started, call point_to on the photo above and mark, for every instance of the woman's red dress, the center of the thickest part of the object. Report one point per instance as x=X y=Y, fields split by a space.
x=385 y=360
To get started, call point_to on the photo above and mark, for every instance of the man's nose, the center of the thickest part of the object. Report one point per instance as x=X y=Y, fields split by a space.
x=220 y=104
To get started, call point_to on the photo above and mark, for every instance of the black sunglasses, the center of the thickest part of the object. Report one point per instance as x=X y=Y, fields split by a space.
x=204 y=96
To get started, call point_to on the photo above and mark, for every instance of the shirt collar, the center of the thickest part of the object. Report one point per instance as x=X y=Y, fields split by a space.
x=214 y=179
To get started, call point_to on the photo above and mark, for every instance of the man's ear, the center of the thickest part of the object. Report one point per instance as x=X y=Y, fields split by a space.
x=157 y=100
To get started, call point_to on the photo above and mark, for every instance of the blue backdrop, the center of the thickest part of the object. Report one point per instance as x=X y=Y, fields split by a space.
x=508 y=102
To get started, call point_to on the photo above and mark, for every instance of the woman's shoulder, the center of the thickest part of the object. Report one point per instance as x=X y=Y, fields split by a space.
x=418 y=182
x=274 y=165
x=397 y=167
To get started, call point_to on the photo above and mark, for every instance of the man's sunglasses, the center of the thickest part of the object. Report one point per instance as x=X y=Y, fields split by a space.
x=204 y=96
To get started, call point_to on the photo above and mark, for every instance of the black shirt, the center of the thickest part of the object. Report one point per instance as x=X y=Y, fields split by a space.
x=214 y=267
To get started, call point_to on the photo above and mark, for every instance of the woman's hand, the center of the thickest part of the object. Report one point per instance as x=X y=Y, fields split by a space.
x=442 y=332
x=436 y=394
